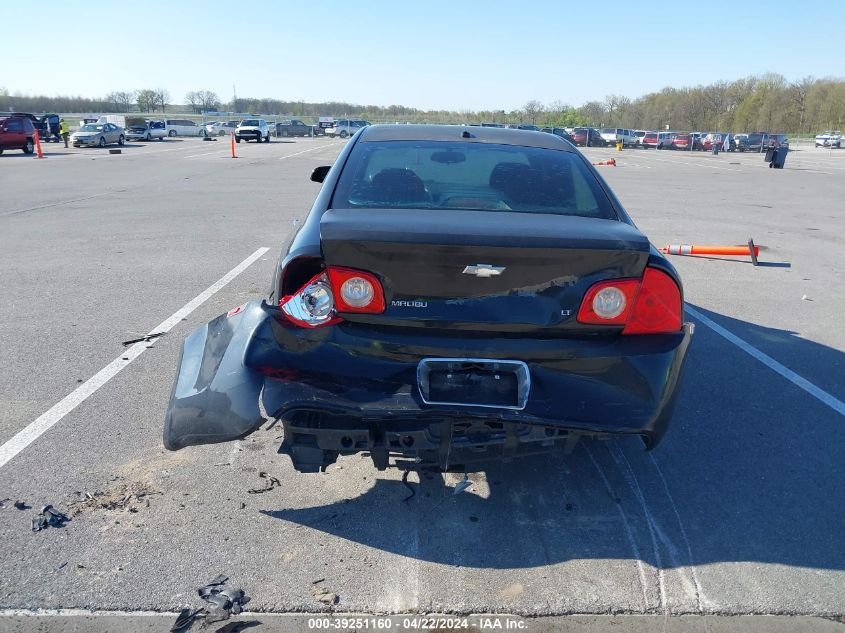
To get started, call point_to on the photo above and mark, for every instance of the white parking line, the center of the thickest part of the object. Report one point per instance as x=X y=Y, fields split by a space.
x=313 y=149
x=47 y=420
x=818 y=393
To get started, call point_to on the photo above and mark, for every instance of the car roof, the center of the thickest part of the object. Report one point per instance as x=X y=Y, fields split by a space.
x=501 y=136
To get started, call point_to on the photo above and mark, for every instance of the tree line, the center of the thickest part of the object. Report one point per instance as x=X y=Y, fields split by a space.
x=766 y=102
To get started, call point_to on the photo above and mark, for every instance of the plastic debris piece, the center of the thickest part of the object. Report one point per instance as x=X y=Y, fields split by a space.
x=272 y=482
x=144 y=339
x=184 y=620
x=225 y=601
x=48 y=517
x=462 y=485
x=237 y=627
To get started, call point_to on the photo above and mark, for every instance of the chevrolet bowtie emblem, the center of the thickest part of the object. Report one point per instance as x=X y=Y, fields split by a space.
x=484 y=270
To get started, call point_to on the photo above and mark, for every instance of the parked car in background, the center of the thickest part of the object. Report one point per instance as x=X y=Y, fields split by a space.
x=345 y=127
x=657 y=140
x=719 y=139
x=681 y=141
x=17 y=132
x=183 y=127
x=753 y=142
x=829 y=139
x=323 y=123
x=99 y=134
x=294 y=127
x=526 y=126
x=47 y=125
x=221 y=128
x=253 y=129
x=588 y=137
x=142 y=130
x=558 y=131
x=614 y=135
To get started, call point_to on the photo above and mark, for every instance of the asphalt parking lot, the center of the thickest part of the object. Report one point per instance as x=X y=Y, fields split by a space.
x=741 y=509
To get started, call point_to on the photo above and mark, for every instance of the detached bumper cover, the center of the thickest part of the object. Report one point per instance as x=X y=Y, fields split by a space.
x=341 y=388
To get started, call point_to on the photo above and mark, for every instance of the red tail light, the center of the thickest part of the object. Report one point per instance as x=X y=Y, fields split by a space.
x=650 y=305
x=318 y=301
x=356 y=291
x=658 y=307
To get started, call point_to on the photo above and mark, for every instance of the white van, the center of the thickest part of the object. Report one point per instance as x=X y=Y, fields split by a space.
x=182 y=127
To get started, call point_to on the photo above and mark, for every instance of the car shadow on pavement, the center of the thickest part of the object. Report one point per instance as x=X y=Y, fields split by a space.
x=750 y=471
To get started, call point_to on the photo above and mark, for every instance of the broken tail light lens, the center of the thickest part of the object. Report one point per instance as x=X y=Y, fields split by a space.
x=312 y=305
x=651 y=305
x=334 y=290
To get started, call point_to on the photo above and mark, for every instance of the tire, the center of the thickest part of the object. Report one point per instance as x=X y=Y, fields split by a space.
x=267 y=140
x=102 y=142
x=237 y=139
x=171 y=133
x=29 y=148
x=1 y=151
x=121 y=140
x=149 y=138
x=343 y=134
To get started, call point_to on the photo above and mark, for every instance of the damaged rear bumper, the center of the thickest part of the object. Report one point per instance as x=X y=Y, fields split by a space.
x=354 y=388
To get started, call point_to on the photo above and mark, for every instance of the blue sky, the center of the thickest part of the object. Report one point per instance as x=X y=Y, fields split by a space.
x=428 y=54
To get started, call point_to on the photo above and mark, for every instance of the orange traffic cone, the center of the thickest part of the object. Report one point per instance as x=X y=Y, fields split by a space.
x=692 y=249
x=38 y=152
x=233 y=143
x=611 y=162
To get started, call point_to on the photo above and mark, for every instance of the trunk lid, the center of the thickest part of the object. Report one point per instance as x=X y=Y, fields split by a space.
x=481 y=270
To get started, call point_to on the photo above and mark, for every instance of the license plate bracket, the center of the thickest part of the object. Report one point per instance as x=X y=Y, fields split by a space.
x=474 y=382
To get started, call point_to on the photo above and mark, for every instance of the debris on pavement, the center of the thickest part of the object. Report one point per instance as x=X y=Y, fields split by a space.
x=236 y=627
x=462 y=485
x=17 y=504
x=324 y=595
x=144 y=339
x=185 y=619
x=408 y=486
x=272 y=482
x=225 y=601
x=48 y=517
x=120 y=498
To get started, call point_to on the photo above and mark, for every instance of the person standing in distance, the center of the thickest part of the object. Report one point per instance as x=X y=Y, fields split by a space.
x=64 y=132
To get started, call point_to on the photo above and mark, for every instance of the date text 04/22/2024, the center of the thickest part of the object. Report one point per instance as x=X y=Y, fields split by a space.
x=417 y=623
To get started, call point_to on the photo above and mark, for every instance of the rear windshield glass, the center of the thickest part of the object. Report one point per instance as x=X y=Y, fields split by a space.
x=471 y=176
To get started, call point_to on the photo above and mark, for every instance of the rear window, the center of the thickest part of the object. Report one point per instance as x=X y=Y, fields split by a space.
x=469 y=176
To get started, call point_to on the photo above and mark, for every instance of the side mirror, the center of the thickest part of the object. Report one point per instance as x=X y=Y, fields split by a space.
x=319 y=173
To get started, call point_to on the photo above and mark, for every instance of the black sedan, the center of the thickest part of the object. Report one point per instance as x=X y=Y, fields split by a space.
x=455 y=296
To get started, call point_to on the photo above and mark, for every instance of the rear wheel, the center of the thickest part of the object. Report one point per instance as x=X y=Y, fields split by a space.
x=29 y=148
x=343 y=134
x=102 y=142
x=171 y=133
